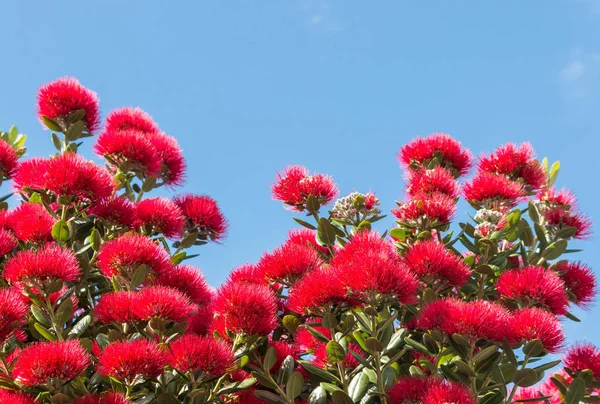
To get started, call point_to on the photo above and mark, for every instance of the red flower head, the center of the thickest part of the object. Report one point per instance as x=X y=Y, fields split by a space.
x=433 y=263
x=200 y=322
x=160 y=215
x=246 y=273
x=295 y=184
x=126 y=253
x=516 y=162
x=48 y=263
x=116 y=211
x=558 y=219
x=448 y=392
x=116 y=307
x=563 y=198
x=192 y=353
x=282 y=351
x=13 y=312
x=189 y=281
x=368 y=264
x=131 y=150
x=42 y=361
x=305 y=237
x=31 y=223
x=534 y=286
x=246 y=309
x=173 y=164
x=583 y=356
x=438 y=179
x=110 y=397
x=203 y=213
x=493 y=191
x=429 y=390
x=579 y=281
x=437 y=208
x=7 y=242
x=162 y=302
x=316 y=290
x=8 y=160
x=30 y=174
x=448 y=151
x=288 y=263
x=60 y=98
x=131 y=361
x=123 y=119
x=533 y=323
x=13 y=397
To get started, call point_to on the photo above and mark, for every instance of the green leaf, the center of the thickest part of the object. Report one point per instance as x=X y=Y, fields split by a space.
x=317 y=371
x=80 y=327
x=312 y=204
x=294 y=386
x=65 y=311
x=139 y=276
x=269 y=397
x=95 y=239
x=508 y=351
x=389 y=377
x=58 y=143
x=286 y=369
x=270 y=359
x=485 y=353
x=44 y=332
x=533 y=348
x=525 y=377
x=547 y=366
x=264 y=381
x=555 y=250
x=326 y=232
x=417 y=346
x=61 y=231
x=317 y=396
x=50 y=124
x=533 y=212
x=358 y=386
x=373 y=344
x=339 y=397
x=553 y=174
x=291 y=323
x=238 y=386
x=177 y=258
x=335 y=352
x=40 y=316
x=305 y=224
x=576 y=391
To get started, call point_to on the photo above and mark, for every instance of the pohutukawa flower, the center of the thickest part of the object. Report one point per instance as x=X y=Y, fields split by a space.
x=117 y=211
x=533 y=323
x=448 y=152
x=316 y=290
x=282 y=351
x=583 y=356
x=356 y=207
x=246 y=309
x=438 y=179
x=203 y=213
x=435 y=265
x=305 y=237
x=123 y=119
x=369 y=265
x=7 y=242
x=173 y=164
x=200 y=322
x=246 y=273
x=160 y=215
x=60 y=98
x=580 y=282
x=8 y=160
x=13 y=312
x=563 y=198
x=192 y=353
x=493 y=191
x=558 y=219
x=288 y=263
x=116 y=307
x=48 y=263
x=31 y=222
x=30 y=174
x=429 y=390
x=162 y=302
x=426 y=210
x=534 y=286
x=42 y=361
x=130 y=150
x=126 y=253
x=109 y=397
x=295 y=184
x=7 y=396
x=449 y=392
x=189 y=281
x=132 y=361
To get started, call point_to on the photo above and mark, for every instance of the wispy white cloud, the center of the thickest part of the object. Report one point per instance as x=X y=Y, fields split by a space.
x=322 y=16
x=580 y=77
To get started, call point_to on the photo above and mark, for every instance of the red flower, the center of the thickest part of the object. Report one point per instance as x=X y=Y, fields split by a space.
x=13 y=397
x=13 y=312
x=408 y=390
x=305 y=237
x=41 y=361
x=288 y=263
x=172 y=160
x=246 y=273
x=162 y=302
x=583 y=356
x=131 y=149
x=533 y=323
x=432 y=263
x=534 y=286
x=203 y=213
x=199 y=323
x=493 y=190
x=8 y=160
x=160 y=215
x=560 y=219
x=437 y=208
x=31 y=223
x=132 y=360
x=7 y=242
x=438 y=179
x=295 y=184
x=189 y=281
x=116 y=307
x=109 y=397
x=246 y=309
x=316 y=290
x=128 y=252
x=448 y=392
x=282 y=351
x=116 y=211
x=448 y=151
x=193 y=353
x=123 y=119
x=579 y=281
x=60 y=98
x=563 y=198
x=30 y=175
x=47 y=263
x=370 y=264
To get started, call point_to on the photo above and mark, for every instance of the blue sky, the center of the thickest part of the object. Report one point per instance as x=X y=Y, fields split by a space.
x=249 y=87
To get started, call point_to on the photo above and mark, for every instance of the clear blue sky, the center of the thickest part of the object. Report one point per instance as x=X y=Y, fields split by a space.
x=338 y=86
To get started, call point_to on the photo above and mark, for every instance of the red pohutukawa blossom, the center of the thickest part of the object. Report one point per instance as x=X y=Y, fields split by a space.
x=246 y=308
x=478 y=319
x=30 y=174
x=533 y=323
x=448 y=151
x=563 y=198
x=13 y=312
x=534 y=286
x=288 y=263
x=282 y=351
x=316 y=290
x=31 y=222
x=493 y=190
x=7 y=242
x=246 y=273
x=130 y=150
x=116 y=211
x=429 y=390
x=109 y=397
x=583 y=356
x=203 y=213
x=199 y=323
x=295 y=184
x=558 y=218
x=305 y=237
x=60 y=98
x=116 y=307
x=369 y=265
x=173 y=164
x=448 y=392
x=132 y=361
x=579 y=281
x=160 y=215
x=123 y=119
x=189 y=281
x=126 y=253
x=436 y=208
x=436 y=265
x=516 y=162
x=8 y=160
x=429 y=181
x=42 y=361
x=7 y=396
x=48 y=263
x=162 y=302
x=192 y=353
